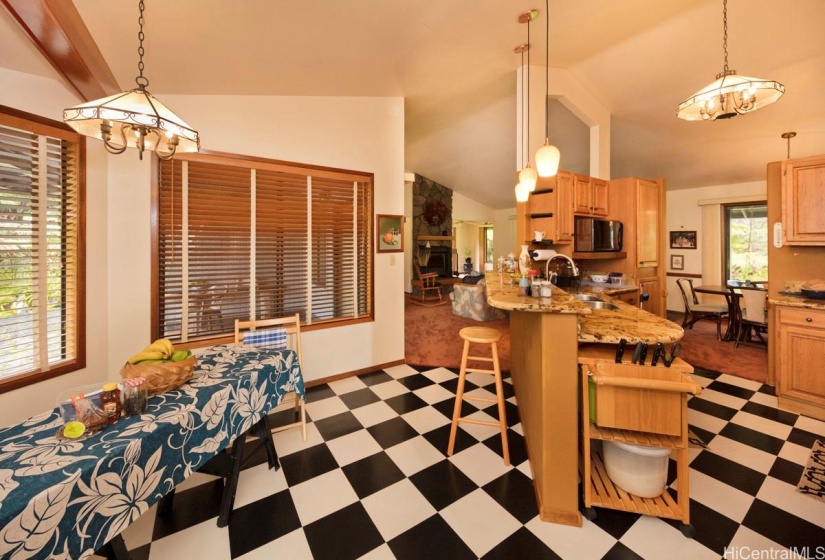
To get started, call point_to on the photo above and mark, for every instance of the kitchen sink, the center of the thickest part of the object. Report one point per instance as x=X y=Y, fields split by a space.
x=599 y=304
x=587 y=297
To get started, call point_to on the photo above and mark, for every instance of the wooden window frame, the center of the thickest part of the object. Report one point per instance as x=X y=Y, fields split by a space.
x=319 y=273
x=73 y=284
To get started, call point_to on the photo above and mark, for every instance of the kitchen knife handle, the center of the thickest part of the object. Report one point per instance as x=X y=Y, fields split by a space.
x=643 y=355
x=620 y=350
x=637 y=353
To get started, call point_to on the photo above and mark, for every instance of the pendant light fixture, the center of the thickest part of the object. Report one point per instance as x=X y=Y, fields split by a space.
x=730 y=94
x=522 y=193
x=528 y=176
x=547 y=157
x=134 y=119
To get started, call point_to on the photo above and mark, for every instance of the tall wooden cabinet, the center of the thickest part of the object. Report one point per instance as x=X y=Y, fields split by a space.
x=639 y=204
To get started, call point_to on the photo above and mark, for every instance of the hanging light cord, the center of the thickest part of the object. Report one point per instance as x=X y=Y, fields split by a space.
x=725 y=32
x=527 y=143
x=523 y=149
x=547 y=72
x=141 y=80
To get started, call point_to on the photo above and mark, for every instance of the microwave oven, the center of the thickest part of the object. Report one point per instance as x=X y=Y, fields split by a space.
x=595 y=236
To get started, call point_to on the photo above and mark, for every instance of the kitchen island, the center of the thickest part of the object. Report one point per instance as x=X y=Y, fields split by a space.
x=544 y=338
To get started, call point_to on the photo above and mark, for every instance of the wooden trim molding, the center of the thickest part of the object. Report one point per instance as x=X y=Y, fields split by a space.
x=57 y=30
x=683 y=275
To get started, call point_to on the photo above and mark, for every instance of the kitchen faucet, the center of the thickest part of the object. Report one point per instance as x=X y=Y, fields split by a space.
x=556 y=256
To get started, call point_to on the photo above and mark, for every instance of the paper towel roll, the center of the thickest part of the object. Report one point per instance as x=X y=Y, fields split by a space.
x=542 y=254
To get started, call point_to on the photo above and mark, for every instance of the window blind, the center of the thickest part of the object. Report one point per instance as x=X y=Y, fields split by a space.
x=255 y=239
x=41 y=251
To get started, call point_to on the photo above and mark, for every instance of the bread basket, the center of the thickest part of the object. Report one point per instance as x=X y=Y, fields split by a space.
x=161 y=377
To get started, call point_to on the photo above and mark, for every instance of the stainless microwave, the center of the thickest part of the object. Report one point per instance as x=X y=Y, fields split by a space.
x=595 y=236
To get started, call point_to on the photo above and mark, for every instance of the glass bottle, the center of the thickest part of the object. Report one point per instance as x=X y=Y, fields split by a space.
x=134 y=396
x=110 y=402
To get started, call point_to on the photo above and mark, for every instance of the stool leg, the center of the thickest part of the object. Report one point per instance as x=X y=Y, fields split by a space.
x=459 y=396
x=502 y=417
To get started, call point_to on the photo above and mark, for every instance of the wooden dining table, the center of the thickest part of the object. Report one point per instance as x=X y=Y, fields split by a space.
x=732 y=298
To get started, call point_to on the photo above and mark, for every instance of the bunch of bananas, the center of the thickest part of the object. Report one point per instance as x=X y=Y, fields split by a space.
x=160 y=351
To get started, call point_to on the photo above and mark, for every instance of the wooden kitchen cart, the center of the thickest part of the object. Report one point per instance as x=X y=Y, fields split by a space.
x=638 y=404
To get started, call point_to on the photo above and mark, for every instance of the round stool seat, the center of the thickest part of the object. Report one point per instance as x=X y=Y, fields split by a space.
x=483 y=335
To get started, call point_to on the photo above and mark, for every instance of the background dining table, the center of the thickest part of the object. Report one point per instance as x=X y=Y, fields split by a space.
x=66 y=498
x=732 y=298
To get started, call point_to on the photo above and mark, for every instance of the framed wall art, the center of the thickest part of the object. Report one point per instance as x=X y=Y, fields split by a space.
x=677 y=262
x=390 y=232
x=682 y=239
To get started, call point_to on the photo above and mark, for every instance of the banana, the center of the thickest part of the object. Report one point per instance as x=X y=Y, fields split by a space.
x=180 y=355
x=161 y=345
x=154 y=355
x=162 y=361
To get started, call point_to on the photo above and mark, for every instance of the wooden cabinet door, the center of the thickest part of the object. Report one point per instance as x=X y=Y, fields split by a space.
x=801 y=347
x=651 y=286
x=647 y=223
x=599 y=197
x=803 y=200
x=564 y=207
x=582 y=203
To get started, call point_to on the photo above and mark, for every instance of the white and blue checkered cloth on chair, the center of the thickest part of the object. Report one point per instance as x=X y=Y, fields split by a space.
x=266 y=338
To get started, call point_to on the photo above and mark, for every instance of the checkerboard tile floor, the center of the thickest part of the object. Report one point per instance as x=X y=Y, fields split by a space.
x=372 y=480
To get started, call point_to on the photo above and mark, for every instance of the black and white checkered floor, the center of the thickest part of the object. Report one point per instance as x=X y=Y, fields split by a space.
x=373 y=481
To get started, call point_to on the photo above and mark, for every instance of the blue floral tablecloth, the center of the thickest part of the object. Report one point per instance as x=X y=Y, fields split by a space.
x=63 y=498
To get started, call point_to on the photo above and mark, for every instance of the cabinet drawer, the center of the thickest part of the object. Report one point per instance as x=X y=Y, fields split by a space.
x=802 y=317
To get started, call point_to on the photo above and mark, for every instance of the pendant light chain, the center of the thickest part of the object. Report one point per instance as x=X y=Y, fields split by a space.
x=141 y=80
x=523 y=135
x=725 y=33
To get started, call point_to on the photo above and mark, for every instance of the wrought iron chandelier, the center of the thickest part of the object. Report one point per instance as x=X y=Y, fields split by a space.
x=134 y=118
x=730 y=94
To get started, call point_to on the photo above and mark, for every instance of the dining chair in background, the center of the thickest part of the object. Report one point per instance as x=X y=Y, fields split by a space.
x=695 y=311
x=281 y=334
x=754 y=317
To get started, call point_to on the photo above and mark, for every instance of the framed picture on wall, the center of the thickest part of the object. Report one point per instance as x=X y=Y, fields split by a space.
x=390 y=232
x=682 y=239
x=677 y=262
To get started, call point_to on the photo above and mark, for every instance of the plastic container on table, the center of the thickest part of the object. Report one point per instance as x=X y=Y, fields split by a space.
x=637 y=469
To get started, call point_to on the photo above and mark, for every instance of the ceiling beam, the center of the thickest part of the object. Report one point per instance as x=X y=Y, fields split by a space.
x=57 y=30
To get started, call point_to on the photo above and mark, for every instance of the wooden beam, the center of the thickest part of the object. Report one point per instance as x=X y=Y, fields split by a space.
x=57 y=30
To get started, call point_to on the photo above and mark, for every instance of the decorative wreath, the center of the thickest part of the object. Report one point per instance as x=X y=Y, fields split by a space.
x=435 y=213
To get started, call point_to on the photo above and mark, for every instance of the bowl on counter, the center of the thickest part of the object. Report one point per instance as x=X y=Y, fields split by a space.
x=599 y=278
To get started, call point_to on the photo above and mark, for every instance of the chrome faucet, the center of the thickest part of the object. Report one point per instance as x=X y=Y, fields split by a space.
x=556 y=256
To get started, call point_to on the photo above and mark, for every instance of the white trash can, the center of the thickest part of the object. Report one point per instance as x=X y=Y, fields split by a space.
x=637 y=469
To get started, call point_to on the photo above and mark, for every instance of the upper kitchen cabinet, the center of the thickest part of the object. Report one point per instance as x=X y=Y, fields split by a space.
x=648 y=233
x=803 y=200
x=591 y=196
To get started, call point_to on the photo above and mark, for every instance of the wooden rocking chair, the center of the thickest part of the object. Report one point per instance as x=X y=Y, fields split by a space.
x=428 y=284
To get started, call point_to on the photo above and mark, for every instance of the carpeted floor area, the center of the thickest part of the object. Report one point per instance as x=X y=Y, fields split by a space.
x=431 y=338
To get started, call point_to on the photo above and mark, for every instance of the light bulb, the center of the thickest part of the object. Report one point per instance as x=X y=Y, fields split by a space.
x=528 y=177
x=547 y=159
x=522 y=194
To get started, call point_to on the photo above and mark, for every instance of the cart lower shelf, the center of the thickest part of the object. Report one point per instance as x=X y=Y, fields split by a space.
x=604 y=493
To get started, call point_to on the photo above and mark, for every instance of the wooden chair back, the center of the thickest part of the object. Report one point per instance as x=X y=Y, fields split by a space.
x=292 y=325
x=755 y=300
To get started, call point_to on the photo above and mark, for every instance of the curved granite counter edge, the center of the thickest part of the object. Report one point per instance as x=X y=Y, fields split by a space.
x=606 y=326
x=797 y=301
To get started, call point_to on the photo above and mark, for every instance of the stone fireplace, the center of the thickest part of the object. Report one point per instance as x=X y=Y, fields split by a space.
x=433 y=223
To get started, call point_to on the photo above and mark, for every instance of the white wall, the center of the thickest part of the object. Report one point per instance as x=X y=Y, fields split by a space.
x=48 y=98
x=699 y=210
x=504 y=236
x=363 y=134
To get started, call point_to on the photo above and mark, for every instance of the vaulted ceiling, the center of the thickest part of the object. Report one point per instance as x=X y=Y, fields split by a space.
x=453 y=62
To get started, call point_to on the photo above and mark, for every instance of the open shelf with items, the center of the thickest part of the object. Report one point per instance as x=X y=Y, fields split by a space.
x=637 y=404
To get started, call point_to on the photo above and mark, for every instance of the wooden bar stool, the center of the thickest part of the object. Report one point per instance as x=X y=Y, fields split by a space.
x=480 y=335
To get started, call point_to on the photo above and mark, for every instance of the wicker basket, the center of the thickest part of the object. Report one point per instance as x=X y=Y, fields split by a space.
x=161 y=377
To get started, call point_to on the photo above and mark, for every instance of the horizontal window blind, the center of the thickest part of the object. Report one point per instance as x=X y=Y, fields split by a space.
x=254 y=239
x=41 y=275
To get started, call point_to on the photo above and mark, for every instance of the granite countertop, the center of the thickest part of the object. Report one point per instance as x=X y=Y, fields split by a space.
x=595 y=325
x=605 y=288
x=796 y=299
